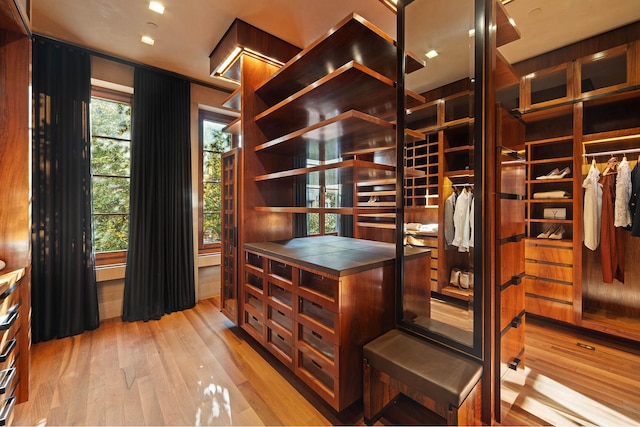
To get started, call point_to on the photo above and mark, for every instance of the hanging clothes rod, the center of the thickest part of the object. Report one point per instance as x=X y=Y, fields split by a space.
x=611 y=153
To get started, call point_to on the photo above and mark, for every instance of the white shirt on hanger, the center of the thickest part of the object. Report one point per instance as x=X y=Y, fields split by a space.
x=592 y=212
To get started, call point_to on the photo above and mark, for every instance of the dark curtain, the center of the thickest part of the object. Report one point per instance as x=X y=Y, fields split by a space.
x=63 y=282
x=159 y=277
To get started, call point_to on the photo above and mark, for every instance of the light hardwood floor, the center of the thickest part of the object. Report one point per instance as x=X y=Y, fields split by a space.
x=195 y=368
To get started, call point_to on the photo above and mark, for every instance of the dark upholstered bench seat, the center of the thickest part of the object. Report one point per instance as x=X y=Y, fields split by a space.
x=440 y=379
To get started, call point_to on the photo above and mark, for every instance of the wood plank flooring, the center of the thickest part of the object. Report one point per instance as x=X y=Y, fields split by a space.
x=196 y=368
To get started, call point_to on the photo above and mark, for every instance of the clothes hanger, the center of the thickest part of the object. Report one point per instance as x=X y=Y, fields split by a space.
x=611 y=164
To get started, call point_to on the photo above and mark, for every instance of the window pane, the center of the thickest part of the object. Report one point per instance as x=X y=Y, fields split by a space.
x=331 y=223
x=110 y=157
x=110 y=118
x=110 y=232
x=211 y=228
x=211 y=166
x=313 y=223
x=213 y=138
x=211 y=197
x=110 y=195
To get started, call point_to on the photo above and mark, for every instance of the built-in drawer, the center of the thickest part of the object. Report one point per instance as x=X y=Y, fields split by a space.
x=553 y=309
x=319 y=285
x=316 y=372
x=317 y=314
x=280 y=317
x=511 y=304
x=8 y=383
x=280 y=344
x=557 y=291
x=319 y=341
x=254 y=260
x=280 y=270
x=512 y=347
x=252 y=300
x=511 y=262
x=253 y=280
x=10 y=298
x=6 y=411
x=254 y=325
x=281 y=294
x=542 y=270
x=543 y=250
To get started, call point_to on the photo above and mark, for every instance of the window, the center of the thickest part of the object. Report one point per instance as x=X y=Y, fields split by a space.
x=213 y=142
x=323 y=190
x=110 y=169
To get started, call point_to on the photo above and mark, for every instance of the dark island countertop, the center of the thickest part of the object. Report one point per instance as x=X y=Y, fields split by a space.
x=334 y=255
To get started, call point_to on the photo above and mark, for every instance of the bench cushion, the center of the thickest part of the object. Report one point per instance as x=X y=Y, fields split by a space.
x=440 y=374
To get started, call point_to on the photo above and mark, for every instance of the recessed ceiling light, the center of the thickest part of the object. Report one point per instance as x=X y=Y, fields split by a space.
x=156 y=7
x=431 y=54
x=148 y=40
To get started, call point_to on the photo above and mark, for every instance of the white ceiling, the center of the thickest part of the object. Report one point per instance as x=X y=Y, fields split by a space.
x=189 y=29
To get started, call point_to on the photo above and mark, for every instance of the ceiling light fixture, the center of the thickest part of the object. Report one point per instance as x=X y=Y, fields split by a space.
x=148 y=40
x=391 y=4
x=156 y=7
x=431 y=54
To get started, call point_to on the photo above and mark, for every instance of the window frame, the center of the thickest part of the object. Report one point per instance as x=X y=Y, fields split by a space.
x=205 y=248
x=110 y=257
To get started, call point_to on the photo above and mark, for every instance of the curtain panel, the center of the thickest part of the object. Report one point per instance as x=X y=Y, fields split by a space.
x=63 y=282
x=160 y=261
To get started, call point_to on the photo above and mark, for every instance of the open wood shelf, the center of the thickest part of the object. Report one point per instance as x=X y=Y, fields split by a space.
x=363 y=169
x=334 y=49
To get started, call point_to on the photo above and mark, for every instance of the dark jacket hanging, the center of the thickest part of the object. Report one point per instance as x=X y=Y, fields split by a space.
x=63 y=283
x=160 y=260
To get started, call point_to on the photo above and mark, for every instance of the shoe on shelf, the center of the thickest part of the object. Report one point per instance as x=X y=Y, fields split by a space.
x=564 y=172
x=558 y=233
x=546 y=232
x=550 y=175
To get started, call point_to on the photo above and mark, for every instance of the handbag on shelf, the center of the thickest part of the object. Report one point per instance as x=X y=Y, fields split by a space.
x=454 y=279
x=466 y=280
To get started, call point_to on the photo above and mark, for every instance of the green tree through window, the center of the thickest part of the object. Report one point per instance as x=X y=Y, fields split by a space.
x=110 y=168
x=214 y=143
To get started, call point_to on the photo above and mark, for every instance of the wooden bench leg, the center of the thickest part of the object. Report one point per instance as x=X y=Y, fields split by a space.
x=377 y=395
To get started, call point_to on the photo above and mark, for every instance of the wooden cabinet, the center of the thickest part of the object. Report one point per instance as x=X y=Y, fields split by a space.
x=15 y=192
x=578 y=111
x=314 y=302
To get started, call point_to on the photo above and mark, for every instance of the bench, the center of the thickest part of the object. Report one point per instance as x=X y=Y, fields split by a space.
x=441 y=380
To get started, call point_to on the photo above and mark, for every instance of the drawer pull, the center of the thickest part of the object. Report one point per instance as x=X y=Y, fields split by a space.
x=9 y=320
x=317 y=365
x=255 y=318
x=280 y=313
x=317 y=335
x=6 y=377
x=281 y=338
x=516 y=322
x=517 y=279
x=514 y=364
x=7 y=350
x=281 y=264
x=7 y=408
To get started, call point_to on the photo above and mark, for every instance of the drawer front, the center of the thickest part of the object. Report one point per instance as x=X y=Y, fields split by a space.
x=254 y=260
x=280 y=344
x=280 y=270
x=511 y=262
x=10 y=299
x=548 y=308
x=319 y=341
x=561 y=292
x=254 y=301
x=254 y=280
x=512 y=214
x=538 y=270
x=281 y=295
x=318 y=374
x=254 y=326
x=512 y=348
x=319 y=287
x=314 y=313
x=511 y=304
x=548 y=253
x=281 y=317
